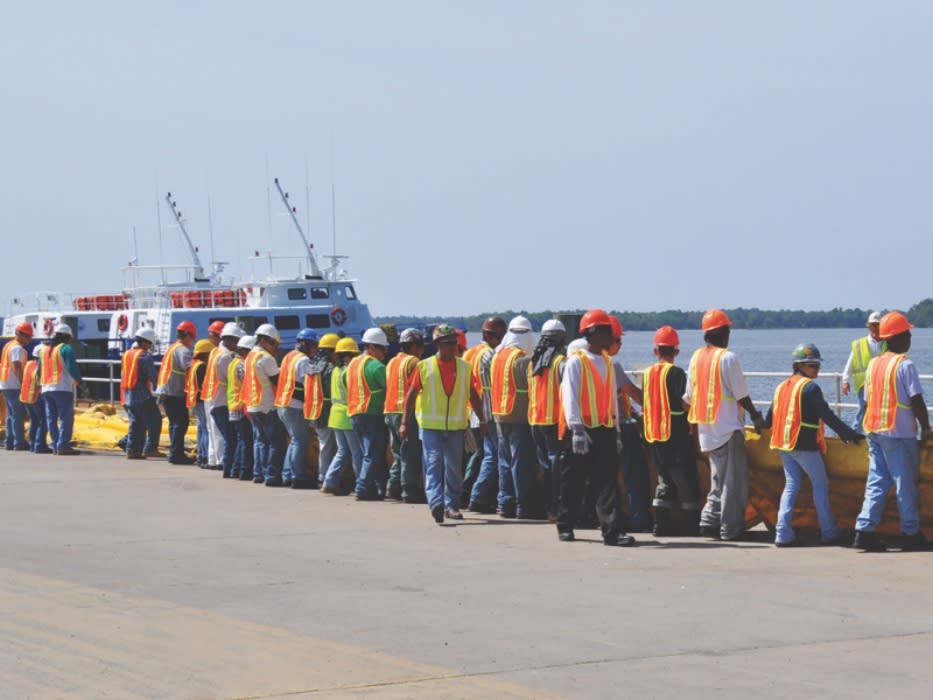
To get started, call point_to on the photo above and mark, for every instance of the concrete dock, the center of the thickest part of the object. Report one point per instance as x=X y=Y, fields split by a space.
x=141 y=579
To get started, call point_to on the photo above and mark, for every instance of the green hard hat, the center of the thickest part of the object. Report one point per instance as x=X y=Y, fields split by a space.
x=807 y=353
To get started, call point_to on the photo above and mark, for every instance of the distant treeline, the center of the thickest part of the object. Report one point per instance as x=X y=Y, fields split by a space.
x=920 y=314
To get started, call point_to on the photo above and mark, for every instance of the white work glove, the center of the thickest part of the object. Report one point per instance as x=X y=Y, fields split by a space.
x=581 y=440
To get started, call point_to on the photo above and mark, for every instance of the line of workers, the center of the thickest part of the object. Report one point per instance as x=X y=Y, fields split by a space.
x=545 y=425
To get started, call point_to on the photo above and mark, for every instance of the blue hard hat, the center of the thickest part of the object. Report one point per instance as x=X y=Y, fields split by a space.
x=306 y=334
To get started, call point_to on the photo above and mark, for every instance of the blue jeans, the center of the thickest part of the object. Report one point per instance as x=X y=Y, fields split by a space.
x=796 y=464
x=406 y=468
x=516 y=468
x=348 y=446
x=891 y=461
x=140 y=415
x=299 y=430
x=636 y=476
x=177 y=414
x=269 y=434
x=327 y=445
x=200 y=413
x=857 y=423
x=443 y=467
x=243 y=455
x=15 y=420
x=38 y=426
x=153 y=429
x=487 y=483
x=60 y=415
x=221 y=417
x=548 y=449
x=371 y=430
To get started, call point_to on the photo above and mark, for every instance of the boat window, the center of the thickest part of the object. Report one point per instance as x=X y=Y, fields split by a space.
x=286 y=323
x=297 y=293
x=250 y=323
x=103 y=325
x=320 y=293
x=350 y=293
x=318 y=320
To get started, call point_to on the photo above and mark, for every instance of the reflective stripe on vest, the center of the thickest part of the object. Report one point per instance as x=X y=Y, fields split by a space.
x=52 y=365
x=29 y=391
x=436 y=410
x=544 y=394
x=706 y=385
x=287 y=386
x=253 y=384
x=481 y=351
x=597 y=395
x=314 y=396
x=657 y=407
x=787 y=415
x=399 y=373
x=359 y=393
x=212 y=379
x=129 y=371
x=192 y=390
x=5 y=364
x=861 y=356
x=881 y=402
x=168 y=365
x=502 y=382
x=234 y=401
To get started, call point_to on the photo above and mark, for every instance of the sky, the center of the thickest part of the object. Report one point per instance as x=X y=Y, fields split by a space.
x=485 y=156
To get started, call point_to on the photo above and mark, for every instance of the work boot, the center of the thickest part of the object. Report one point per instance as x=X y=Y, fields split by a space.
x=566 y=536
x=67 y=451
x=691 y=523
x=437 y=512
x=916 y=542
x=709 y=531
x=662 y=521
x=154 y=453
x=135 y=455
x=868 y=542
x=619 y=540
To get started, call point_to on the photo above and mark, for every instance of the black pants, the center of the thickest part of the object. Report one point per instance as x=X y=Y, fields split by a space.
x=600 y=465
x=677 y=473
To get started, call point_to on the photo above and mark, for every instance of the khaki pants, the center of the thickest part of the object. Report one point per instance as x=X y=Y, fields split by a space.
x=728 y=492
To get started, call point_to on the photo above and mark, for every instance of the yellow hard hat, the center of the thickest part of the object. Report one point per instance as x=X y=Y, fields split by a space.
x=347 y=345
x=203 y=346
x=328 y=341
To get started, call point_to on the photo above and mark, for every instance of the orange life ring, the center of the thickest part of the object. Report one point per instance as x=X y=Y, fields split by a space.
x=122 y=322
x=48 y=327
x=338 y=316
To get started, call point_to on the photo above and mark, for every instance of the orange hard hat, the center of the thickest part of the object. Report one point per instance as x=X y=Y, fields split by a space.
x=216 y=327
x=25 y=329
x=894 y=323
x=593 y=318
x=187 y=327
x=461 y=338
x=666 y=336
x=715 y=318
x=617 y=331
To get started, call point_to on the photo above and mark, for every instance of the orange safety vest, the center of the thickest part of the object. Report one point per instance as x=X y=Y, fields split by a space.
x=475 y=357
x=212 y=381
x=251 y=390
x=29 y=391
x=5 y=364
x=787 y=415
x=314 y=396
x=359 y=392
x=192 y=390
x=657 y=406
x=288 y=379
x=881 y=402
x=52 y=364
x=399 y=373
x=234 y=397
x=168 y=362
x=706 y=385
x=544 y=394
x=502 y=383
x=129 y=371
x=597 y=395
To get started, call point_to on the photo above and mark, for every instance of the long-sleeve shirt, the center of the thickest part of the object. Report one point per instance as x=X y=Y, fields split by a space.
x=147 y=376
x=874 y=346
x=813 y=407
x=570 y=384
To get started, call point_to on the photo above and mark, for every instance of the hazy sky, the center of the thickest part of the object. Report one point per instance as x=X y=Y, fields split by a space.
x=488 y=155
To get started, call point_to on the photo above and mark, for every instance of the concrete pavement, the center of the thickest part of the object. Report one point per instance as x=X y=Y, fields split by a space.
x=142 y=579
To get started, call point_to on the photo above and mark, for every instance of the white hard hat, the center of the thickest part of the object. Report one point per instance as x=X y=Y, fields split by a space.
x=247 y=341
x=375 y=336
x=578 y=344
x=410 y=335
x=232 y=330
x=63 y=329
x=146 y=333
x=35 y=350
x=270 y=331
x=553 y=326
x=520 y=324
x=874 y=317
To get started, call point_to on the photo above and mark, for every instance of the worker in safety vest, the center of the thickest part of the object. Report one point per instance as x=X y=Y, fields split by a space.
x=58 y=375
x=863 y=350
x=589 y=390
x=317 y=400
x=194 y=380
x=439 y=397
x=215 y=395
x=31 y=398
x=894 y=405
x=170 y=389
x=797 y=418
x=483 y=468
x=509 y=400
x=215 y=443
x=241 y=429
x=137 y=379
x=716 y=396
x=405 y=472
x=260 y=378
x=12 y=361
x=349 y=448
x=366 y=390
x=667 y=432
x=290 y=403
x=544 y=409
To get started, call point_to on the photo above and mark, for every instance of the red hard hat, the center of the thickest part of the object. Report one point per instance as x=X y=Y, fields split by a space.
x=25 y=329
x=666 y=336
x=617 y=331
x=217 y=327
x=593 y=318
x=187 y=327
x=894 y=323
x=715 y=318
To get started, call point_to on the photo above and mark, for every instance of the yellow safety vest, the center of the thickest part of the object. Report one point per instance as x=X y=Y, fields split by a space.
x=436 y=410
x=861 y=356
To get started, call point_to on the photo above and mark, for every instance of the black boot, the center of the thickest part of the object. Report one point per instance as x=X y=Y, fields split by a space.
x=869 y=542
x=691 y=523
x=916 y=543
x=662 y=521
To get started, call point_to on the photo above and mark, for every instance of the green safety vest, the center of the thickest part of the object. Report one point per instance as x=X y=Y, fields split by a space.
x=861 y=356
x=436 y=410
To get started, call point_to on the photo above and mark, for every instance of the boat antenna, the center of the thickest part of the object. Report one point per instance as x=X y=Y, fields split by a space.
x=210 y=230
x=333 y=203
x=292 y=212
x=268 y=198
x=307 y=197
x=192 y=250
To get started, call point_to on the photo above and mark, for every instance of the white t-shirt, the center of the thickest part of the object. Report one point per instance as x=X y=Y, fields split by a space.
x=266 y=367
x=731 y=416
x=17 y=354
